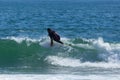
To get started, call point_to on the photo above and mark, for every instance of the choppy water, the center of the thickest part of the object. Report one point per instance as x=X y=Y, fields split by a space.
x=90 y=32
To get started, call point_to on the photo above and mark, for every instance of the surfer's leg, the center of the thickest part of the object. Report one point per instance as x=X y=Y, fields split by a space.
x=51 y=44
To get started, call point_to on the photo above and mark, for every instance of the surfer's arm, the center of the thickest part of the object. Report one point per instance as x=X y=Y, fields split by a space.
x=60 y=42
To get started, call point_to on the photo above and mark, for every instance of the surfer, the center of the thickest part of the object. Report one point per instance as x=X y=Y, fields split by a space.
x=53 y=36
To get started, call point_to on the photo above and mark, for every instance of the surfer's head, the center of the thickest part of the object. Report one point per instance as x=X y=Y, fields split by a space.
x=48 y=29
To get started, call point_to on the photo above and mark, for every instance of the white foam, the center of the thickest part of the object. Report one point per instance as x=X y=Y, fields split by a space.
x=69 y=62
x=113 y=57
x=116 y=46
x=109 y=51
x=100 y=44
x=58 y=77
x=43 y=41
x=55 y=60
x=85 y=46
x=26 y=39
x=21 y=39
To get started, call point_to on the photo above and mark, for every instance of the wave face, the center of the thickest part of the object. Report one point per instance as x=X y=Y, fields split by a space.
x=30 y=53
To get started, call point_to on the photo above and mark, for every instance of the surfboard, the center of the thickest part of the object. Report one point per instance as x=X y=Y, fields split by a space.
x=47 y=44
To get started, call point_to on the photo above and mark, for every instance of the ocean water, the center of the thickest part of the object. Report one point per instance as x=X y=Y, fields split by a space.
x=90 y=32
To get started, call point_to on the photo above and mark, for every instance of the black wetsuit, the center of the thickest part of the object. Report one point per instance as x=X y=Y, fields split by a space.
x=54 y=36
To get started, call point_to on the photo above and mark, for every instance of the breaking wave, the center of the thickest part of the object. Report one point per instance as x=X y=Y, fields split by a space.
x=78 y=52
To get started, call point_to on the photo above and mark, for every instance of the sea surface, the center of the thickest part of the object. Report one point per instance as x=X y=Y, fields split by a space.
x=90 y=31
